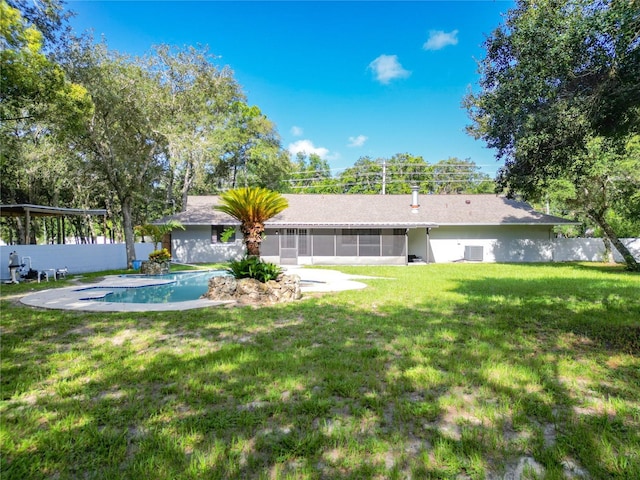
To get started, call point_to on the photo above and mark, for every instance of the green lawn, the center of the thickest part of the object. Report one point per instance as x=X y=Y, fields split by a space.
x=436 y=371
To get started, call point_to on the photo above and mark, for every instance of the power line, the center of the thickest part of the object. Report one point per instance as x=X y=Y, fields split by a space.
x=352 y=184
x=394 y=166
x=418 y=176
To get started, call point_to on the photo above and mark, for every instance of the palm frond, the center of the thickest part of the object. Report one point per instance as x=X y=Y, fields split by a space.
x=251 y=204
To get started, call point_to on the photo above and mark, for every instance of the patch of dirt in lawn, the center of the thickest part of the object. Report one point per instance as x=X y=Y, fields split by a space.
x=14 y=298
x=83 y=331
x=453 y=416
x=123 y=336
x=114 y=393
x=590 y=401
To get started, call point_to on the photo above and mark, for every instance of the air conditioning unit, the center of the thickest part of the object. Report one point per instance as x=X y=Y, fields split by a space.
x=474 y=253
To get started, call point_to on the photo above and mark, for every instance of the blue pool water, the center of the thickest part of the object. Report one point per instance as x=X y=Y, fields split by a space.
x=183 y=287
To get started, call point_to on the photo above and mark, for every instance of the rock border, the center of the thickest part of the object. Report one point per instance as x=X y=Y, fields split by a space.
x=148 y=267
x=249 y=291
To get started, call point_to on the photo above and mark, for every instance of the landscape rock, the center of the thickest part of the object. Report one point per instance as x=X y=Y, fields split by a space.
x=154 y=268
x=249 y=291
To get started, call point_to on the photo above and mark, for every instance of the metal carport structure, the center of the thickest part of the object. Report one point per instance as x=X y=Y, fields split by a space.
x=27 y=211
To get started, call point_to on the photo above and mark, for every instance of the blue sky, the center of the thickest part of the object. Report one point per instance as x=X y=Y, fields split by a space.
x=340 y=79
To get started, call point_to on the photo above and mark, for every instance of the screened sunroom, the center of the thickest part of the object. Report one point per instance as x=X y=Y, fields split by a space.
x=334 y=246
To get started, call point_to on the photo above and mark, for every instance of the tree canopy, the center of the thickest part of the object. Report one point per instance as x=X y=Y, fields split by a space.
x=120 y=141
x=197 y=97
x=395 y=175
x=40 y=110
x=560 y=99
x=85 y=126
x=32 y=87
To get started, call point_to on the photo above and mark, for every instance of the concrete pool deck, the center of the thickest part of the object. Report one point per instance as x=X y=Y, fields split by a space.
x=79 y=297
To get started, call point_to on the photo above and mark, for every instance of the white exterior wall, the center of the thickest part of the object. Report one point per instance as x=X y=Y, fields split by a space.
x=505 y=243
x=193 y=245
x=81 y=258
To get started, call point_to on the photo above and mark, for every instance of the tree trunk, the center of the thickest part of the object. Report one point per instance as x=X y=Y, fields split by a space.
x=632 y=264
x=253 y=248
x=252 y=238
x=186 y=184
x=252 y=242
x=169 y=198
x=127 y=224
x=608 y=254
x=21 y=240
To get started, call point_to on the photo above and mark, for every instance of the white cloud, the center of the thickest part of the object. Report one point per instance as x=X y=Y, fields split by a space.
x=387 y=68
x=357 y=141
x=307 y=147
x=439 y=39
x=296 y=131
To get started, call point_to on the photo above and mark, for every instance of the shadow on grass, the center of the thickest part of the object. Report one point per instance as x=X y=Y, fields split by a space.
x=564 y=321
x=614 y=268
x=465 y=381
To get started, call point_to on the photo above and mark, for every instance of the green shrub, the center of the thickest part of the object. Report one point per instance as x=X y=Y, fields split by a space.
x=160 y=256
x=227 y=234
x=253 y=267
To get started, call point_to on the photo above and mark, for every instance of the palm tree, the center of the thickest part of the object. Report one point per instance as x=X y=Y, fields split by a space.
x=252 y=206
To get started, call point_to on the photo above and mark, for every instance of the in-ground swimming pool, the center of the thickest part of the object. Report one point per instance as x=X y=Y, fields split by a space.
x=172 y=287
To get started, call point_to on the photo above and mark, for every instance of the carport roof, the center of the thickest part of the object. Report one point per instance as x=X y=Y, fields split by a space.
x=20 y=210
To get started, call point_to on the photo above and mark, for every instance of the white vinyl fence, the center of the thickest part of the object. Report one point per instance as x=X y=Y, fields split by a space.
x=590 y=249
x=76 y=258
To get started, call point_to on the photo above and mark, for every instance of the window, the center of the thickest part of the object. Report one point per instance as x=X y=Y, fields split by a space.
x=220 y=231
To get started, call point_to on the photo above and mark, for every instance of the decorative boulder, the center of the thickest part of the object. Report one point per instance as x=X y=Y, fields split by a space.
x=154 y=268
x=251 y=291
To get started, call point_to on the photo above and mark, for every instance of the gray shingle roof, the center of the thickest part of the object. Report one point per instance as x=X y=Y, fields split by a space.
x=310 y=210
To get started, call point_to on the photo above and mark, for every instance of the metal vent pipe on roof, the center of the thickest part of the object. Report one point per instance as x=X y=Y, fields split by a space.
x=414 y=199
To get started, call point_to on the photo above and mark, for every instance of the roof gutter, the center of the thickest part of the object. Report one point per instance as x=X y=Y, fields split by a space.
x=501 y=224
x=352 y=225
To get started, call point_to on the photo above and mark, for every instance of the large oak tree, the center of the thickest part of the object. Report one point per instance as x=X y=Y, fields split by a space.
x=559 y=78
x=120 y=142
x=197 y=99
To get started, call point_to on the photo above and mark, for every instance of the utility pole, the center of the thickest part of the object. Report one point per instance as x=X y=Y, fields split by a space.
x=384 y=176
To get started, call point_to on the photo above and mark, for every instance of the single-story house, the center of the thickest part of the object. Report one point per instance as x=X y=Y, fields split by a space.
x=334 y=229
